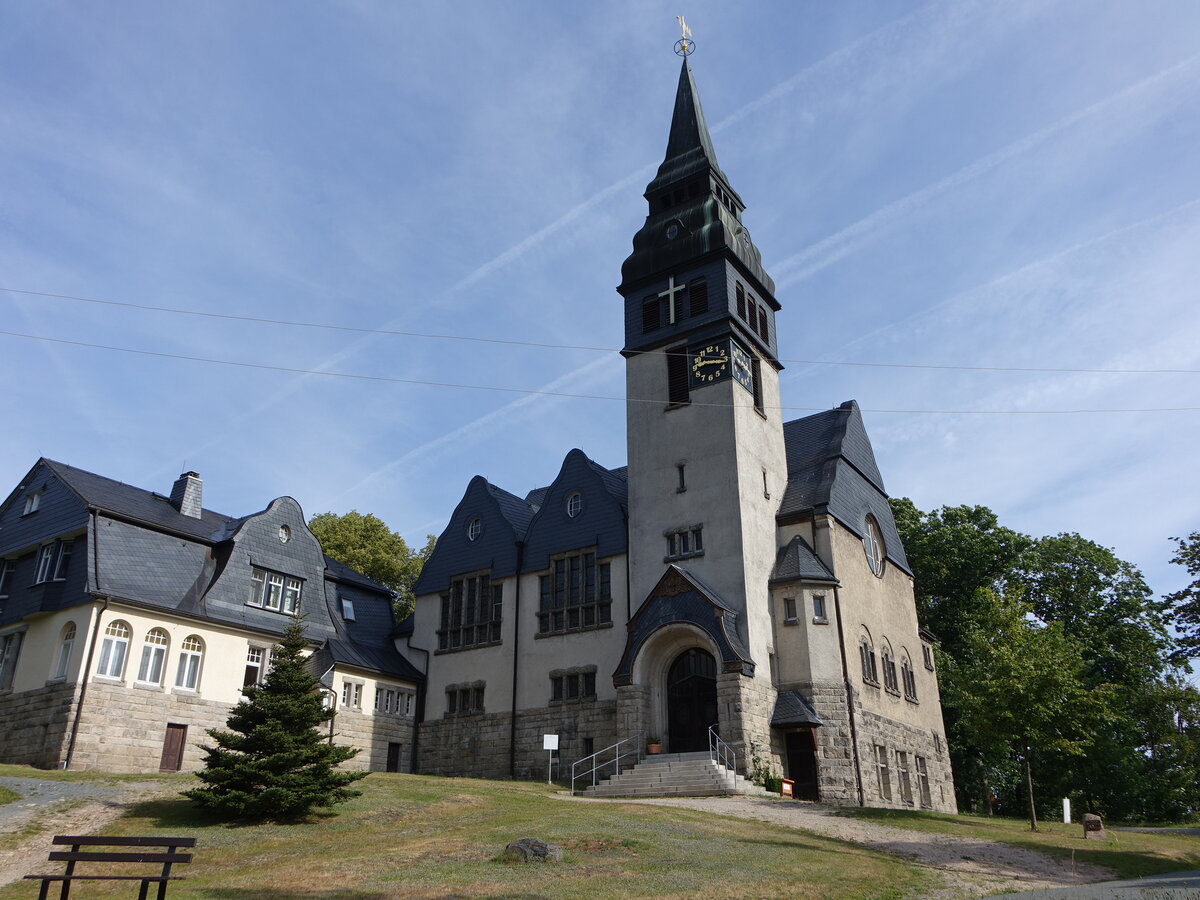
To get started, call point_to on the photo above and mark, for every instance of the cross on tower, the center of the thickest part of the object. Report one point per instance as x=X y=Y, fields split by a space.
x=669 y=293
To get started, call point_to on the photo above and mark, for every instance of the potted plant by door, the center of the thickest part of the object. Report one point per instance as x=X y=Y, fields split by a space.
x=653 y=745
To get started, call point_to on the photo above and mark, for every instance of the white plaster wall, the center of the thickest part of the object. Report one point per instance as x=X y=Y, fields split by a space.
x=808 y=651
x=40 y=645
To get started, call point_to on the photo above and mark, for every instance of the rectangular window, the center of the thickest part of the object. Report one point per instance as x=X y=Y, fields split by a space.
x=408 y=702
x=789 y=610
x=347 y=609
x=574 y=595
x=927 y=652
x=677 y=376
x=685 y=542
x=65 y=548
x=882 y=774
x=273 y=591
x=923 y=782
x=32 y=502
x=756 y=374
x=762 y=324
x=909 y=677
x=463 y=700
x=10 y=648
x=578 y=684
x=471 y=613
x=255 y=658
x=697 y=297
x=154 y=657
x=889 y=673
x=45 y=560
x=740 y=294
x=6 y=574
x=903 y=776
x=819 y=614
x=352 y=694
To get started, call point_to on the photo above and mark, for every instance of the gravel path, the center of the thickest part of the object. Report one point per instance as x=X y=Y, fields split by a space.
x=970 y=868
x=48 y=808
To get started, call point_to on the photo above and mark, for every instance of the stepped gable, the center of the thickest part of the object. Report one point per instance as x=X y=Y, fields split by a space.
x=798 y=562
x=832 y=468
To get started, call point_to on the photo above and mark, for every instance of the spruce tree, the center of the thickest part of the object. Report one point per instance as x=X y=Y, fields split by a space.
x=271 y=762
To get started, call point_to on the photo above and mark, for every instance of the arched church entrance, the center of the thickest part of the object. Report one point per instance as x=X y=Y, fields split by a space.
x=691 y=700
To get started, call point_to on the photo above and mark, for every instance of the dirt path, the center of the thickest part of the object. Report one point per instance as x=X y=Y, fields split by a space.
x=47 y=808
x=970 y=868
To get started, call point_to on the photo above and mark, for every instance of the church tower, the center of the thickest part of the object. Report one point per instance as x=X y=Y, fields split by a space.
x=705 y=437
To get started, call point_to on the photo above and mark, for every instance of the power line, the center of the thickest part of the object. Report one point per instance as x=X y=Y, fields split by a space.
x=548 y=346
x=563 y=394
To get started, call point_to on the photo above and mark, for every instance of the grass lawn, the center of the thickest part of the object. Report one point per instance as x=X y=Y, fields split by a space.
x=419 y=836
x=7 y=796
x=80 y=775
x=1128 y=854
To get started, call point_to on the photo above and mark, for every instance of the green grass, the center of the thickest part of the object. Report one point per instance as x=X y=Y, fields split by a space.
x=1128 y=854
x=103 y=778
x=7 y=796
x=419 y=836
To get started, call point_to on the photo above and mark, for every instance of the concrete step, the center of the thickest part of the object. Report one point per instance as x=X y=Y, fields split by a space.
x=675 y=775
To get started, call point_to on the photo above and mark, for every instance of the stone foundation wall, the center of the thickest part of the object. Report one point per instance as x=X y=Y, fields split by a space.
x=35 y=725
x=477 y=746
x=896 y=736
x=837 y=781
x=372 y=734
x=744 y=707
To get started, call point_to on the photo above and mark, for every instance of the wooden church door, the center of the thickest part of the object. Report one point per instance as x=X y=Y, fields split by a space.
x=691 y=700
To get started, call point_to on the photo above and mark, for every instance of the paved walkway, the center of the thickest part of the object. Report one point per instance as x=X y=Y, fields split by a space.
x=1172 y=886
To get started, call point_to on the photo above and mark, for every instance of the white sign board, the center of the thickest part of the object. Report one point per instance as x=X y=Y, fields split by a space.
x=549 y=741
x=1066 y=810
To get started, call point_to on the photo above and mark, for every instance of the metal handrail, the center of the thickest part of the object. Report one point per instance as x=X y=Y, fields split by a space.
x=720 y=752
x=594 y=764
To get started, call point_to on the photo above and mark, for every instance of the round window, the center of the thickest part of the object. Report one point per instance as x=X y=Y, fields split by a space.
x=474 y=528
x=285 y=534
x=574 y=504
x=873 y=545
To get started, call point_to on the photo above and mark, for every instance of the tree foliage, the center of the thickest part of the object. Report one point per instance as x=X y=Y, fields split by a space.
x=271 y=762
x=1186 y=601
x=365 y=543
x=992 y=597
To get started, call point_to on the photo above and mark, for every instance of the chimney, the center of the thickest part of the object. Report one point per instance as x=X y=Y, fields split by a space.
x=185 y=494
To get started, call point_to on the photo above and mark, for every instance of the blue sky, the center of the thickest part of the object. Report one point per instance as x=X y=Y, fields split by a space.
x=1001 y=184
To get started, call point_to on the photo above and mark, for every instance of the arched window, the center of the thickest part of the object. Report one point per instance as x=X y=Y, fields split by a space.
x=873 y=545
x=154 y=657
x=866 y=654
x=191 y=652
x=574 y=504
x=113 y=650
x=64 y=650
x=908 y=676
x=474 y=528
x=890 y=683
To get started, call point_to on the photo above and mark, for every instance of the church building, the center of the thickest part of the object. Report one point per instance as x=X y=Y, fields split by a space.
x=740 y=581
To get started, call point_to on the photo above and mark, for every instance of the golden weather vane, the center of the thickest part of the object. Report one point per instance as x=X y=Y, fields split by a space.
x=685 y=46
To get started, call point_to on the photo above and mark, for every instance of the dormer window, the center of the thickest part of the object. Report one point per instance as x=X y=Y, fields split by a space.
x=273 y=591
x=32 y=501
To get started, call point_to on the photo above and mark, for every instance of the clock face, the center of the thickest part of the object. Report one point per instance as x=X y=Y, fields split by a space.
x=710 y=363
x=743 y=368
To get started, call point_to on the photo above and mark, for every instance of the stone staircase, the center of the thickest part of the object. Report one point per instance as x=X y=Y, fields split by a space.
x=674 y=775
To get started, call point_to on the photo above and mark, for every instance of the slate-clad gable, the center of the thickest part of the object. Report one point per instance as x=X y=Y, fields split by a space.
x=60 y=510
x=601 y=521
x=504 y=518
x=831 y=466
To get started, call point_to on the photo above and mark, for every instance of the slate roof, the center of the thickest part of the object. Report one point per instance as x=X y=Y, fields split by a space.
x=831 y=467
x=136 y=503
x=536 y=497
x=616 y=482
x=798 y=562
x=792 y=709
x=513 y=508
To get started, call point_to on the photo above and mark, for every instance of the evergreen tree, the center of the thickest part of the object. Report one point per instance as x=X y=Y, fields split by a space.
x=272 y=762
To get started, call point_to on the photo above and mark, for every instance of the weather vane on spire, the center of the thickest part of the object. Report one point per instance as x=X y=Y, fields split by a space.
x=685 y=46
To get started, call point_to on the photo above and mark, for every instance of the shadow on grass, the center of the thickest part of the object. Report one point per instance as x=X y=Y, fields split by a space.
x=260 y=894
x=175 y=813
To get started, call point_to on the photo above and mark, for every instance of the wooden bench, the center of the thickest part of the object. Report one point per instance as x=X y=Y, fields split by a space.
x=158 y=851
